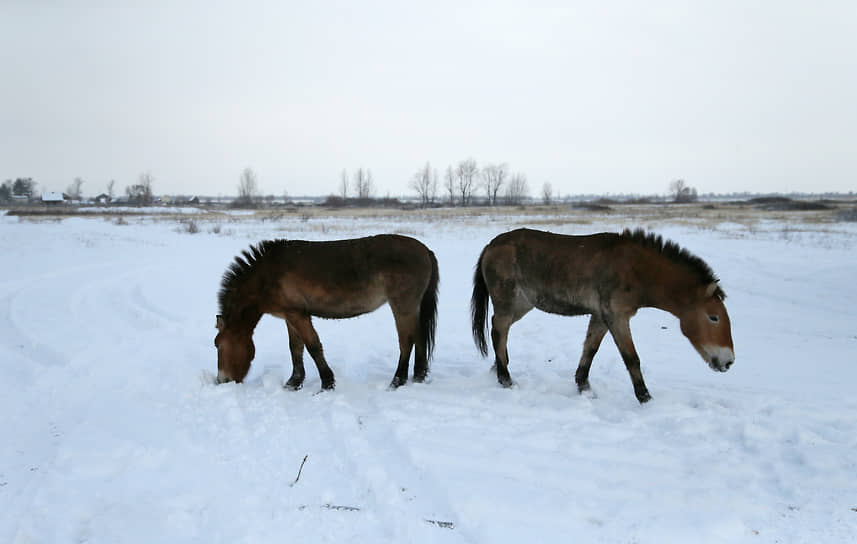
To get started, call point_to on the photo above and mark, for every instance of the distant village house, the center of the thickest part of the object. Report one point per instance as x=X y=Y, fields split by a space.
x=53 y=198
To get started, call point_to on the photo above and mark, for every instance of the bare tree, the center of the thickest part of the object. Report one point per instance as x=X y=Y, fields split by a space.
x=547 y=193
x=343 y=184
x=681 y=192
x=73 y=190
x=424 y=183
x=517 y=190
x=677 y=187
x=141 y=192
x=449 y=184
x=110 y=188
x=248 y=188
x=369 y=190
x=363 y=184
x=465 y=173
x=493 y=178
x=359 y=180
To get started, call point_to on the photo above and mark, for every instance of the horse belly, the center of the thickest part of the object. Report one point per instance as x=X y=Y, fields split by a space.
x=559 y=289
x=555 y=303
x=341 y=306
x=331 y=300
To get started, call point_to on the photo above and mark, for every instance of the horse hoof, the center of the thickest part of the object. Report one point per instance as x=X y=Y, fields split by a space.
x=584 y=390
x=397 y=382
x=329 y=386
x=293 y=386
x=644 y=397
x=506 y=382
x=419 y=378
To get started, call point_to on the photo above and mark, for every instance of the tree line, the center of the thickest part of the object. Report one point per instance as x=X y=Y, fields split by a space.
x=464 y=181
x=462 y=185
x=139 y=193
x=21 y=187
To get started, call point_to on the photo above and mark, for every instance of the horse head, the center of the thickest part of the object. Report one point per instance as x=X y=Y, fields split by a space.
x=705 y=323
x=235 y=351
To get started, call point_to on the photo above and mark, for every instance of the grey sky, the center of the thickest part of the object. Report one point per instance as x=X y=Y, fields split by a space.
x=603 y=97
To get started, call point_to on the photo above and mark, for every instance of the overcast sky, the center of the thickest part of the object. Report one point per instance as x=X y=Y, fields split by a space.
x=593 y=97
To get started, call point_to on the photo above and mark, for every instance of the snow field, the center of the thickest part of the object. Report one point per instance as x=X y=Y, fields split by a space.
x=114 y=432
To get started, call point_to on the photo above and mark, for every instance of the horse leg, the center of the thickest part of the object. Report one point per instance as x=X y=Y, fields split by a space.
x=500 y=324
x=594 y=334
x=302 y=324
x=407 y=325
x=499 y=337
x=420 y=352
x=500 y=271
x=420 y=359
x=296 y=347
x=620 y=329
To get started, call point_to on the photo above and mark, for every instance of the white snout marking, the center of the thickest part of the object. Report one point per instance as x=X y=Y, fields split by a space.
x=718 y=357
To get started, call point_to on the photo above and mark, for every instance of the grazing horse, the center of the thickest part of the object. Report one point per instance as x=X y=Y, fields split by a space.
x=296 y=280
x=608 y=276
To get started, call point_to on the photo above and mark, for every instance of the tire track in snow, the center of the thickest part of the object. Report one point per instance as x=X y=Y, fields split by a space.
x=38 y=313
x=16 y=332
x=46 y=327
x=122 y=292
x=396 y=490
x=35 y=320
x=36 y=316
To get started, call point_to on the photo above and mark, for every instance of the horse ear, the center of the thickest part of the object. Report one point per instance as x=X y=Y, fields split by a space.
x=219 y=324
x=711 y=289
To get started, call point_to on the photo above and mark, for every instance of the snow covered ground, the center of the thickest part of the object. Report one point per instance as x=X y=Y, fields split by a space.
x=112 y=430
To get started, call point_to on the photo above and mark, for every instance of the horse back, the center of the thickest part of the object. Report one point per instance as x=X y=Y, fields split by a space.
x=345 y=278
x=561 y=274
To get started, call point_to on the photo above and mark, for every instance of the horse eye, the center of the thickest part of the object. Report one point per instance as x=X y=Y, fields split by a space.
x=713 y=318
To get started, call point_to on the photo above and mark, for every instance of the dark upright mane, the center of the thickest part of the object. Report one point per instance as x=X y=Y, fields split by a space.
x=238 y=271
x=674 y=253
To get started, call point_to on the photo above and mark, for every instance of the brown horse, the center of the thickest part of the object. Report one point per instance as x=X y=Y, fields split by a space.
x=296 y=280
x=609 y=276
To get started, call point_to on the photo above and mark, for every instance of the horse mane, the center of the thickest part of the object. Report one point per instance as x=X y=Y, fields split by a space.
x=239 y=270
x=676 y=254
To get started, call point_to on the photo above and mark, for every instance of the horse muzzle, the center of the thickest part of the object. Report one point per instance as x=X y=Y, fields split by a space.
x=719 y=359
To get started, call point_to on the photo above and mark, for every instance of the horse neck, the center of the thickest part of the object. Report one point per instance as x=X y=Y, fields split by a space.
x=242 y=299
x=668 y=285
x=245 y=316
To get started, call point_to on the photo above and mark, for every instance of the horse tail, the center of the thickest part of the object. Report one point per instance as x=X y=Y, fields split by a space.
x=428 y=308
x=479 y=307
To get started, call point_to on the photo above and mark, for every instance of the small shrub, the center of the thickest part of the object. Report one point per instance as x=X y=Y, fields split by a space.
x=592 y=207
x=335 y=202
x=189 y=226
x=849 y=216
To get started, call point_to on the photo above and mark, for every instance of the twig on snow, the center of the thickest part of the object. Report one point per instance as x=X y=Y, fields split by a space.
x=328 y=506
x=299 y=471
x=345 y=508
x=340 y=507
x=441 y=524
